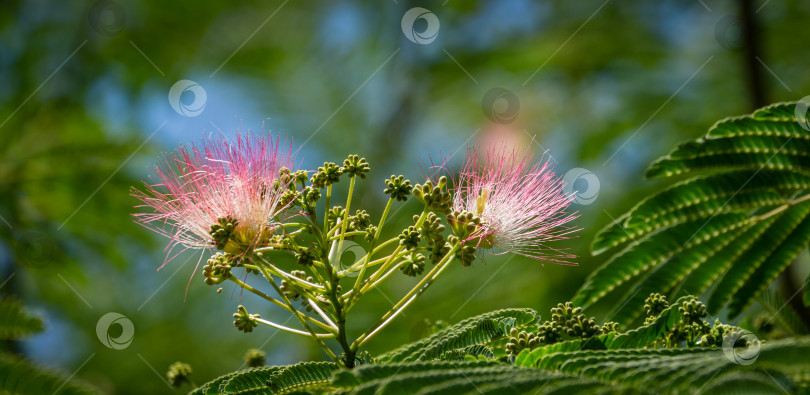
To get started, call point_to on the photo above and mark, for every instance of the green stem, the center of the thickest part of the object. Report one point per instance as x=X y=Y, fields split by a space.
x=368 y=255
x=407 y=299
x=280 y=273
x=291 y=330
x=327 y=208
x=298 y=315
x=275 y=301
x=348 y=234
x=346 y=214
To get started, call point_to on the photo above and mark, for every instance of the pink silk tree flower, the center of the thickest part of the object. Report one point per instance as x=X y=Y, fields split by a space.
x=220 y=193
x=521 y=205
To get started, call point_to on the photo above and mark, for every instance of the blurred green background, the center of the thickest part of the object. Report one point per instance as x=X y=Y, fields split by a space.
x=84 y=110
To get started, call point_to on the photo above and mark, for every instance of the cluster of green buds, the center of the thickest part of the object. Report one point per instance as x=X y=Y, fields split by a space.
x=326 y=175
x=567 y=323
x=243 y=321
x=654 y=305
x=720 y=332
x=691 y=330
x=520 y=340
x=223 y=231
x=435 y=197
x=414 y=265
x=255 y=358
x=178 y=374
x=217 y=269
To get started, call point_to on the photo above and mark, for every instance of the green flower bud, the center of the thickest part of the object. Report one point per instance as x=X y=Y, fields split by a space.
x=356 y=166
x=222 y=231
x=432 y=229
x=335 y=213
x=435 y=197
x=284 y=175
x=583 y=327
x=398 y=187
x=217 y=269
x=610 y=327
x=326 y=175
x=693 y=311
x=465 y=253
x=655 y=304
x=243 y=321
x=371 y=231
x=304 y=256
x=549 y=332
x=255 y=358
x=438 y=252
x=409 y=238
x=564 y=312
x=300 y=177
x=463 y=223
x=360 y=220
x=520 y=340
x=311 y=195
x=178 y=374
x=287 y=198
x=719 y=332
x=414 y=265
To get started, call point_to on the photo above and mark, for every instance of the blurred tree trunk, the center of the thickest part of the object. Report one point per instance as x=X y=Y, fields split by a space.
x=751 y=51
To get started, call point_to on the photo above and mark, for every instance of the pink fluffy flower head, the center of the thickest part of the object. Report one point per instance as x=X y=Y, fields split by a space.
x=521 y=204
x=232 y=186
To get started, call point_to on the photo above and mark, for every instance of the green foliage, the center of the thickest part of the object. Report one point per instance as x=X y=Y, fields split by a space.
x=20 y=376
x=469 y=358
x=15 y=321
x=479 y=330
x=271 y=380
x=737 y=228
x=780 y=366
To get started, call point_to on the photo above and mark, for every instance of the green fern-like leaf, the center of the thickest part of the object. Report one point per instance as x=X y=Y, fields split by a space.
x=645 y=335
x=781 y=366
x=300 y=377
x=732 y=231
x=19 y=376
x=215 y=387
x=638 y=258
x=15 y=321
x=787 y=318
x=478 y=330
